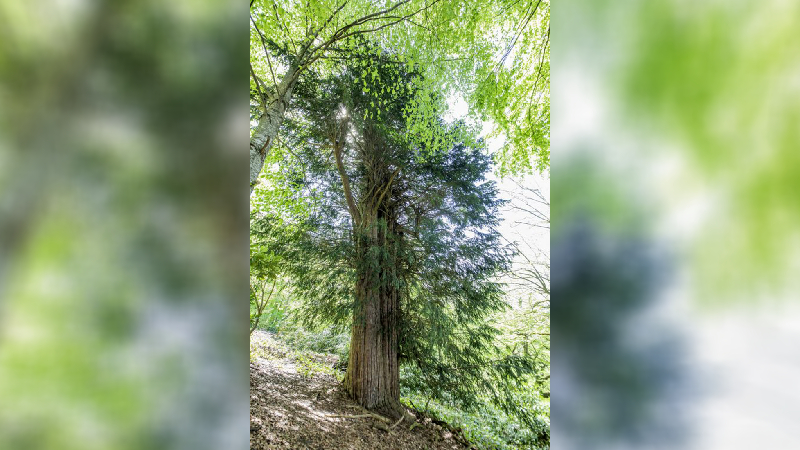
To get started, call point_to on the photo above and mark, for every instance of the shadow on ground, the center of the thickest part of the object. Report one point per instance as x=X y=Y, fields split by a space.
x=292 y=411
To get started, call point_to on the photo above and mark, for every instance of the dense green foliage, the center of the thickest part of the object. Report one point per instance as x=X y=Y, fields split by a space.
x=494 y=54
x=365 y=188
x=442 y=246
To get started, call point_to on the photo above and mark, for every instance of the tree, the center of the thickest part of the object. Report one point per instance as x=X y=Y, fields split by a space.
x=401 y=248
x=497 y=58
x=526 y=327
x=531 y=277
x=275 y=204
x=265 y=282
x=312 y=30
x=514 y=92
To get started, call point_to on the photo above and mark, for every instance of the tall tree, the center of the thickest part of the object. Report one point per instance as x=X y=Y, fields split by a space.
x=401 y=247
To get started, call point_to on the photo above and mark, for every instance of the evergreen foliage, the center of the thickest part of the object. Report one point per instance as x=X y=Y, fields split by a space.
x=436 y=214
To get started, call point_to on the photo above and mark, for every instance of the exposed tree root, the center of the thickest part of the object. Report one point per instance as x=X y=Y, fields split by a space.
x=382 y=420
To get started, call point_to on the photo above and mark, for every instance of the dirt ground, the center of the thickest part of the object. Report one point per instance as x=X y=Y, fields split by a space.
x=290 y=411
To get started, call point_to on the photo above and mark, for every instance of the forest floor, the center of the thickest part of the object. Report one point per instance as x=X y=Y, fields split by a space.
x=297 y=403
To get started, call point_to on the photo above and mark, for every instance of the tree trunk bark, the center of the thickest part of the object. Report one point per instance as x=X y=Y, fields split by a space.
x=264 y=137
x=372 y=377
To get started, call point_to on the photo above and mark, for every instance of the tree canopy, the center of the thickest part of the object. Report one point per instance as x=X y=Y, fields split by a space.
x=493 y=54
x=418 y=229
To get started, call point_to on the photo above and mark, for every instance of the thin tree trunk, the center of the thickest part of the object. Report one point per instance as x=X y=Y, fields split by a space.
x=267 y=130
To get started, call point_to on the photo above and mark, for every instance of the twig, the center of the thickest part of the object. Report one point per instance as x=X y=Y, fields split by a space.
x=361 y=416
x=398 y=422
x=266 y=53
x=345 y=416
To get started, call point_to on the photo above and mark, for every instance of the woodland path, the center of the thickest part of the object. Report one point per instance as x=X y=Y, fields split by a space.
x=292 y=411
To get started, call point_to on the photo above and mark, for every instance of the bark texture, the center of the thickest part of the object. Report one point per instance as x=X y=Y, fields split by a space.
x=268 y=126
x=372 y=377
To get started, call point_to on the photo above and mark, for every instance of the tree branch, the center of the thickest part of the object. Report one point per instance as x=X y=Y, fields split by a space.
x=285 y=28
x=258 y=83
x=388 y=185
x=266 y=52
x=342 y=32
x=351 y=205
x=330 y=18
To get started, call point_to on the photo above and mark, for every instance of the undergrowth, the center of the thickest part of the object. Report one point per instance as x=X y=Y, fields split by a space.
x=485 y=426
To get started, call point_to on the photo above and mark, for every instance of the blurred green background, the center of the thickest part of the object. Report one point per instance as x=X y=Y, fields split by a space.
x=676 y=131
x=123 y=250
x=720 y=82
x=123 y=225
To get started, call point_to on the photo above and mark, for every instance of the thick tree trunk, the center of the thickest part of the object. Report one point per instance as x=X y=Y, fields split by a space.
x=372 y=378
x=264 y=137
x=373 y=374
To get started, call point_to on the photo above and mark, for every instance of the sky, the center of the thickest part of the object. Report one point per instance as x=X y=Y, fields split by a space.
x=528 y=233
x=515 y=225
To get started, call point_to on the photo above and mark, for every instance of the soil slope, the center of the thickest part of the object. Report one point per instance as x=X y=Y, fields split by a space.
x=292 y=411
